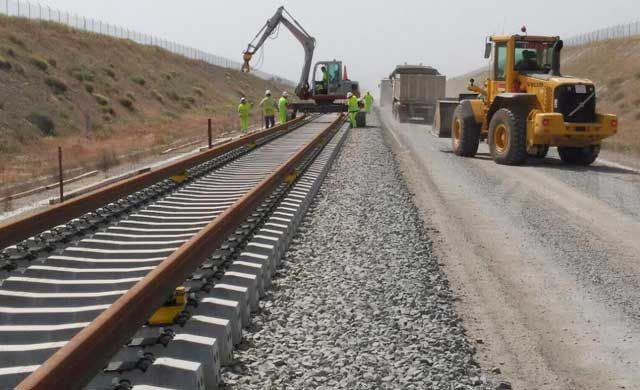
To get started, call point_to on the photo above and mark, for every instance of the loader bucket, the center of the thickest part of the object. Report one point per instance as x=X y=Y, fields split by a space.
x=443 y=118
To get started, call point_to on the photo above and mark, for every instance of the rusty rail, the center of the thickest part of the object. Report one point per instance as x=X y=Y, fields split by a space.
x=32 y=224
x=75 y=364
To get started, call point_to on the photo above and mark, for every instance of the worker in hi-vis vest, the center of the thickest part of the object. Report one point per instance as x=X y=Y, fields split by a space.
x=325 y=80
x=268 y=105
x=353 y=108
x=244 y=108
x=368 y=102
x=283 y=105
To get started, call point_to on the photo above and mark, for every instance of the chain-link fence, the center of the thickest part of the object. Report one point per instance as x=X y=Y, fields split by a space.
x=36 y=11
x=619 y=31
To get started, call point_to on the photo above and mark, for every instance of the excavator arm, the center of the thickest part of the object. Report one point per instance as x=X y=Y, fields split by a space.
x=308 y=43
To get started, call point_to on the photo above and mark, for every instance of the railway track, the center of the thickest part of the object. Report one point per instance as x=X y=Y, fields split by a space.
x=74 y=306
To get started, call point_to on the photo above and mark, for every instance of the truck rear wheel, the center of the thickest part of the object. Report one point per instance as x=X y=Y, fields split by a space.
x=579 y=156
x=465 y=133
x=508 y=137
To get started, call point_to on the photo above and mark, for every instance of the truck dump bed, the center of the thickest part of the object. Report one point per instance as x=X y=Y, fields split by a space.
x=416 y=91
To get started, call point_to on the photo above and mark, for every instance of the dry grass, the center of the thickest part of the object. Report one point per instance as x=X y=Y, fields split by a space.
x=613 y=67
x=159 y=98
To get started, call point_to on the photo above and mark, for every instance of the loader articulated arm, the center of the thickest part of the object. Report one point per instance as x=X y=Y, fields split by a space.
x=308 y=43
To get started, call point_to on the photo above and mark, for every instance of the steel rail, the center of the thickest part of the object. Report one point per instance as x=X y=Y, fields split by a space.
x=35 y=223
x=75 y=364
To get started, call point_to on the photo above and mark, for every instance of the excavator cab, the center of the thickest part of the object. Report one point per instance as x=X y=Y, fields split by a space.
x=336 y=87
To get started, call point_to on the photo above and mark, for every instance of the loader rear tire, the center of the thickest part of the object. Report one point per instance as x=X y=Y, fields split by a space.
x=465 y=133
x=508 y=137
x=579 y=156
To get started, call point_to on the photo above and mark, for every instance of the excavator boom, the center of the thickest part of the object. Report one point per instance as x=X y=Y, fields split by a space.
x=308 y=43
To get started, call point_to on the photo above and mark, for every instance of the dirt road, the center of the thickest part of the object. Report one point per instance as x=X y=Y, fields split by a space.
x=546 y=258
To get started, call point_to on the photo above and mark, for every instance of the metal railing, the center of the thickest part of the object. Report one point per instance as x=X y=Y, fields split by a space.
x=620 y=31
x=37 y=11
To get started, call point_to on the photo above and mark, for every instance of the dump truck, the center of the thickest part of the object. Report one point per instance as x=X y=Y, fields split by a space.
x=527 y=105
x=386 y=93
x=416 y=89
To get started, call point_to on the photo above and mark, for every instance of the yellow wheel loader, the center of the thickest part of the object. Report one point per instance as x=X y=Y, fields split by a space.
x=527 y=105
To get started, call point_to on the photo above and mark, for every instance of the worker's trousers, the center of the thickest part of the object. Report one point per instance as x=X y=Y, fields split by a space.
x=352 y=118
x=283 y=116
x=269 y=121
x=244 y=123
x=367 y=108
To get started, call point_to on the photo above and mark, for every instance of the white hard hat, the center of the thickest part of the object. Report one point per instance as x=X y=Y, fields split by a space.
x=242 y=100
x=267 y=92
x=349 y=94
x=285 y=93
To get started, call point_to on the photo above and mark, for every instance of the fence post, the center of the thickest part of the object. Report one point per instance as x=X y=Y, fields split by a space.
x=209 y=132
x=60 y=174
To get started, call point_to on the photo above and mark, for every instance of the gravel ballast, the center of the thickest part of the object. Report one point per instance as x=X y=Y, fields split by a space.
x=360 y=302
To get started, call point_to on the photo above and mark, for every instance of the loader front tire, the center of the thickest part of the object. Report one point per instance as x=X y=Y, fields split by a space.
x=579 y=156
x=465 y=133
x=508 y=137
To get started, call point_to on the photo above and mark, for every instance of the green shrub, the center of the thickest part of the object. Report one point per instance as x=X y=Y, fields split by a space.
x=43 y=123
x=89 y=87
x=4 y=64
x=101 y=99
x=108 y=110
x=126 y=103
x=39 y=63
x=166 y=76
x=82 y=73
x=11 y=52
x=53 y=62
x=198 y=91
x=131 y=96
x=57 y=86
x=189 y=99
x=139 y=80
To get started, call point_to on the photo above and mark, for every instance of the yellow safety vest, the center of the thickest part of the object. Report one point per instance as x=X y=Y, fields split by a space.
x=282 y=104
x=352 y=102
x=244 y=108
x=268 y=106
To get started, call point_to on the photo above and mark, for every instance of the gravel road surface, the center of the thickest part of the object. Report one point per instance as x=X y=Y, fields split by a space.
x=546 y=259
x=361 y=302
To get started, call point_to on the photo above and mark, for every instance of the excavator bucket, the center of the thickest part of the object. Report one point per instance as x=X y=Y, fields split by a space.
x=247 y=57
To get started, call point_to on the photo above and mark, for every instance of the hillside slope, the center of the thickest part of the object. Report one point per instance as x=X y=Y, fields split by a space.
x=100 y=98
x=613 y=67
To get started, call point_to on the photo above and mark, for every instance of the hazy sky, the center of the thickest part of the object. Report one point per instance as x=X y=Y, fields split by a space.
x=371 y=36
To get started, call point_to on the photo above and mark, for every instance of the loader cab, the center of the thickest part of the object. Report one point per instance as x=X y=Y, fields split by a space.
x=520 y=55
